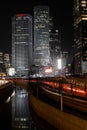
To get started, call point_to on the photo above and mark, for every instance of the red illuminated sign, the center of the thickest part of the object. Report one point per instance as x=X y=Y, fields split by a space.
x=20 y=15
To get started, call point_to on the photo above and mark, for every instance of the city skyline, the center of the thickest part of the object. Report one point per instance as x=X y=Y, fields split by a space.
x=62 y=14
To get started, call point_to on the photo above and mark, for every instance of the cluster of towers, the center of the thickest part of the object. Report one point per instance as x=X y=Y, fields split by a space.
x=36 y=43
x=33 y=42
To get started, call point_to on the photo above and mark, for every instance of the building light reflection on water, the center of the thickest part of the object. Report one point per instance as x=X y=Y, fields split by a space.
x=18 y=114
x=21 y=118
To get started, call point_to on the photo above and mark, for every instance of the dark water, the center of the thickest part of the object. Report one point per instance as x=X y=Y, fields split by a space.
x=6 y=118
x=7 y=115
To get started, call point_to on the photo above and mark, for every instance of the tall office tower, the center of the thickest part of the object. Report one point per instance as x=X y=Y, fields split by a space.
x=22 y=43
x=55 y=47
x=80 y=36
x=41 y=36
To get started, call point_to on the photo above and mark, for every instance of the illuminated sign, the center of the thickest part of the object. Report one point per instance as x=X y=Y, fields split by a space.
x=20 y=15
x=48 y=70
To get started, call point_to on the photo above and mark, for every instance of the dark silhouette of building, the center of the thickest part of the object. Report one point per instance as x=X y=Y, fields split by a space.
x=80 y=35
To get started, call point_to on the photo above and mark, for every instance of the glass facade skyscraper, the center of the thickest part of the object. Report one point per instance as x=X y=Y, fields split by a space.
x=80 y=36
x=22 y=43
x=55 y=47
x=41 y=36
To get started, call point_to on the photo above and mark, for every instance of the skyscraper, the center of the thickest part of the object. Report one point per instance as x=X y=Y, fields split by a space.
x=22 y=43
x=41 y=36
x=55 y=47
x=80 y=36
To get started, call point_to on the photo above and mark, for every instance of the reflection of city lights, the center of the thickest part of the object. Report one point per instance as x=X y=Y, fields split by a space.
x=59 y=64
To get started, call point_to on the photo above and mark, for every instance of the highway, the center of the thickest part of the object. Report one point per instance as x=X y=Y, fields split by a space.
x=5 y=91
x=68 y=85
x=2 y=82
x=70 y=103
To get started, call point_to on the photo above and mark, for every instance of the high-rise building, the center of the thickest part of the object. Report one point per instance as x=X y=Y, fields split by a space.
x=80 y=36
x=41 y=36
x=55 y=47
x=22 y=43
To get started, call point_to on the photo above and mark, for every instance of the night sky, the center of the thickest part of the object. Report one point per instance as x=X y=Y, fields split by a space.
x=60 y=9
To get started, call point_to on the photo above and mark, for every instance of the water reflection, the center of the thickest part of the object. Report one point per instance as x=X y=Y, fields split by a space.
x=21 y=118
x=17 y=114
